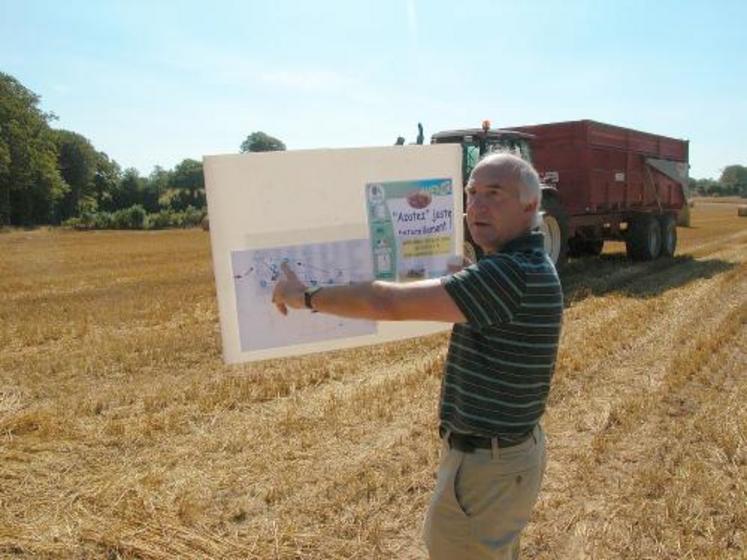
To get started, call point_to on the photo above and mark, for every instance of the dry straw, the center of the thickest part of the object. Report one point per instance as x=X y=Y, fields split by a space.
x=122 y=435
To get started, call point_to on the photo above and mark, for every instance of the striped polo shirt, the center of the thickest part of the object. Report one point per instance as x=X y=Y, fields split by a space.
x=500 y=362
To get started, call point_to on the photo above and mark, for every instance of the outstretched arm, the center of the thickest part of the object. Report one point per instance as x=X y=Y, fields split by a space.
x=425 y=300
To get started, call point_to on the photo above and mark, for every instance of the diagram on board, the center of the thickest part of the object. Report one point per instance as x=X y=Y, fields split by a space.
x=257 y=271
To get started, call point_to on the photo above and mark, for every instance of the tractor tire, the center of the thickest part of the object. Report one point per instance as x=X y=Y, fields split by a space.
x=668 y=235
x=555 y=229
x=643 y=241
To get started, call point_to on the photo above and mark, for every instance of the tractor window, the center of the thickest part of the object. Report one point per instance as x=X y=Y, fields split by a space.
x=517 y=147
x=526 y=153
x=471 y=157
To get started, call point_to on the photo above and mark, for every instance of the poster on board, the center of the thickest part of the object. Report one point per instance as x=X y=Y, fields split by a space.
x=313 y=209
x=411 y=228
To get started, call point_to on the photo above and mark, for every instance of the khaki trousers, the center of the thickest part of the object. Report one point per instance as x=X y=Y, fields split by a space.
x=483 y=500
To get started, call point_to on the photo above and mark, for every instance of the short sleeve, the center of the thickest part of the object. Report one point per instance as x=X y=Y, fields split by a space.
x=488 y=292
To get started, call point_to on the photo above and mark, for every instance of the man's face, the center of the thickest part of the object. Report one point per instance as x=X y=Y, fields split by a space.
x=495 y=215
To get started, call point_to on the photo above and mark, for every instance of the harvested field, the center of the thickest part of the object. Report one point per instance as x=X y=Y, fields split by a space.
x=123 y=435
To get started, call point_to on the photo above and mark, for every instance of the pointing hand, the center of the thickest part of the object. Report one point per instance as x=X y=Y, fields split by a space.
x=288 y=291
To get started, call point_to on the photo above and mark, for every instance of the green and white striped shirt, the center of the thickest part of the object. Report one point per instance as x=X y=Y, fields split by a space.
x=500 y=362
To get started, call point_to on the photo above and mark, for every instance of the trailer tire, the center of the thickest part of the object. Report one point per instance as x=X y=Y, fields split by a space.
x=668 y=235
x=555 y=230
x=643 y=242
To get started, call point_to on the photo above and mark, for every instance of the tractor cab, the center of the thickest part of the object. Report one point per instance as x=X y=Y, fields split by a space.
x=476 y=142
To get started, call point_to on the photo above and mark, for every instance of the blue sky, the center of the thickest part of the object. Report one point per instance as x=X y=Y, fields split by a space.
x=151 y=83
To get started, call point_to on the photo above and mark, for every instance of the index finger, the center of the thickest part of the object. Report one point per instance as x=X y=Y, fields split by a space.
x=287 y=270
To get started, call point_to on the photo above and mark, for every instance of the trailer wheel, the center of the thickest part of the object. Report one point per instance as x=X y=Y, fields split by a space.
x=555 y=229
x=643 y=241
x=668 y=235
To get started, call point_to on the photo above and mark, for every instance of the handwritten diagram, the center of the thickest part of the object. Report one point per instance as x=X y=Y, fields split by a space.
x=255 y=273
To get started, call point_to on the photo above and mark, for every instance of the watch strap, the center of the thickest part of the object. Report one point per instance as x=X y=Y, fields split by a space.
x=308 y=294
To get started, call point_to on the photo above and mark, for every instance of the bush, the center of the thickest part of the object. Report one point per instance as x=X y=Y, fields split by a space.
x=104 y=220
x=161 y=220
x=135 y=217
x=75 y=223
x=192 y=217
x=130 y=218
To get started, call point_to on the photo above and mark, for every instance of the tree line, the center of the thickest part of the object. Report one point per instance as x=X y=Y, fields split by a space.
x=56 y=176
x=732 y=182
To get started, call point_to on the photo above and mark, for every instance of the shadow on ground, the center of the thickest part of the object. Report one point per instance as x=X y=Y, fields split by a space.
x=615 y=273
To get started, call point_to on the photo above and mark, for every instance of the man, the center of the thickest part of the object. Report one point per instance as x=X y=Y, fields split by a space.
x=507 y=311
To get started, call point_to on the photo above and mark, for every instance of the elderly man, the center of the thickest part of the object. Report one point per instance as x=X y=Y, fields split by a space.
x=507 y=311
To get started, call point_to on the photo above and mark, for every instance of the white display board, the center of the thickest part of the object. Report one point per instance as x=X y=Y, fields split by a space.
x=335 y=216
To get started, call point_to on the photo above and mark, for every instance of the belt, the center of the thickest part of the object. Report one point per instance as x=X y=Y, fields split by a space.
x=467 y=443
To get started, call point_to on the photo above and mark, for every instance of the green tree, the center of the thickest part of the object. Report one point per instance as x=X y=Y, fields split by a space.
x=129 y=189
x=734 y=180
x=261 y=142
x=706 y=187
x=77 y=161
x=30 y=184
x=106 y=180
x=4 y=181
x=189 y=179
x=155 y=186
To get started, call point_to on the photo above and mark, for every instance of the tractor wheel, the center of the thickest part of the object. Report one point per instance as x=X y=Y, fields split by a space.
x=555 y=229
x=668 y=235
x=643 y=241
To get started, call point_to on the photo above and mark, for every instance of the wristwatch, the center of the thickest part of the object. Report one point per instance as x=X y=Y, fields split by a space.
x=308 y=294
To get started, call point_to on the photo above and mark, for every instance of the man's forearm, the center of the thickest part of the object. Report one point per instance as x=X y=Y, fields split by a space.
x=422 y=300
x=365 y=300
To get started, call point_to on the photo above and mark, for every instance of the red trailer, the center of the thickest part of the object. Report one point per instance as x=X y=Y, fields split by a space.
x=613 y=183
x=601 y=182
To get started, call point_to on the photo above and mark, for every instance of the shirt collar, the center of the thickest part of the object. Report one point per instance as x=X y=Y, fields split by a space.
x=527 y=242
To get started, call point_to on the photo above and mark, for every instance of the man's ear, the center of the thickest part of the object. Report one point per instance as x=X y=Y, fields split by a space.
x=531 y=206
